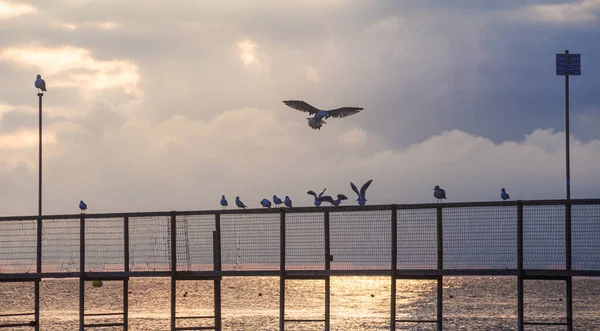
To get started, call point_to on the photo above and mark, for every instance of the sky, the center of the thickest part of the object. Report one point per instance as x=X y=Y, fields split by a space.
x=166 y=105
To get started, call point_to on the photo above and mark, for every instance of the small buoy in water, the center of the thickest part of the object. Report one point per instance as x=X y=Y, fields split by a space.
x=260 y=294
x=452 y=297
x=372 y=295
x=185 y=295
x=97 y=283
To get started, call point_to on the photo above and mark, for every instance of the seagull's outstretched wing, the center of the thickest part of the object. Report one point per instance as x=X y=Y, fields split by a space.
x=344 y=111
x=321 y=194
x=363 y=189
x=325 y=198
x=342 y=197
x=355 y=189
x=301 y=106
x=311 y=192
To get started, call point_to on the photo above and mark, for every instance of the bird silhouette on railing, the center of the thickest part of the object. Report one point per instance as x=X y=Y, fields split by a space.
x=223 y=201
x=333 y=202
x=239 y=203
x=439 y=193
x=265 y=203
x=362 y=195
x=82 y=206
x=504 y=195
x=276 y=200
x=288 y=202
x=316 y=202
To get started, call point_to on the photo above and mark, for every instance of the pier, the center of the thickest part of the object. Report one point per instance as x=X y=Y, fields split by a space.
x=550 y=240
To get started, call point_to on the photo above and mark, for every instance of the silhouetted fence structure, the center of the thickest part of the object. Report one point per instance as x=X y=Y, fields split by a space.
x=544 y=240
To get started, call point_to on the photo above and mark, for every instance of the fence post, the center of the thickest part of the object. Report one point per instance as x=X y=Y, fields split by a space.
x=126 y=268
x=440 y=267
x=327 y=268
x=38 y=268
x=394 y=267
x=217 y=267
x=520 y=301
x=568 y=265
x=282 y=270
x=173 y=268
x=81 y=273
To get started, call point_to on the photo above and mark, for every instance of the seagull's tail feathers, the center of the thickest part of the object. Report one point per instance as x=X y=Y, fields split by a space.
x=315 y=124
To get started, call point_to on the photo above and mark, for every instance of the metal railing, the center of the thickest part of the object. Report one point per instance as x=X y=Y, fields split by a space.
x=544 y=239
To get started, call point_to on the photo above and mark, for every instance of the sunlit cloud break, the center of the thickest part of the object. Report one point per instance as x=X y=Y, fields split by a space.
x=10 y=9
x=76 y=67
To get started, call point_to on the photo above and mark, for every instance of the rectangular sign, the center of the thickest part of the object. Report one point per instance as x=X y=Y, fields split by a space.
x=568 y=64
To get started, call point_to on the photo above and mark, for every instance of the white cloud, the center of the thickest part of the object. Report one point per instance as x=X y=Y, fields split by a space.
x=11 y=10
x=255 y=153
x=575 y=12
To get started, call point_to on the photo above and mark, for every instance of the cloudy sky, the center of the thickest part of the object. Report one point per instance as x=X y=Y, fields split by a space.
x=166 y=105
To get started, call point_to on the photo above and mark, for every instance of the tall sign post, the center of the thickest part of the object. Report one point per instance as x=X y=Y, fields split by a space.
x=566 y=65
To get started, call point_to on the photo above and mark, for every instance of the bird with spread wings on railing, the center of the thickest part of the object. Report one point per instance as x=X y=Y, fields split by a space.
x=317 y=121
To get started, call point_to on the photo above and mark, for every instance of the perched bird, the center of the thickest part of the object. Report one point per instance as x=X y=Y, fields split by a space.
x=317 y=202
x=82 y=206
x=504 y=195
x=333 y=202
x=439 y=193
x=223 y=201
x=265 y=203
x=277 y=201
x=362 y=197
x=40 y=84
x=239 y=203
x=287 y=201
x=316 y=122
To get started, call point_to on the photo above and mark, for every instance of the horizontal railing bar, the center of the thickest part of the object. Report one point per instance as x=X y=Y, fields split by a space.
x=531 y=274
x=545 y=323
x=196 y=328
x=303 y=321
x=103 y=314
x=17 y=314
x=17 y=325
x=416 y=321
x=99 y=325
x=331 y=209
x=192 y=317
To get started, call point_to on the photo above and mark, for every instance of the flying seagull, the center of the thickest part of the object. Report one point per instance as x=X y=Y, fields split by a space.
x=362 y=197
x=265 y=203
x=317 y=202
x=82 y=206
x=316 y=122
x=276 y=200
x=223 y=201
x=439 y=193
x=239 y=203
x=504 y=195
x=333 y=202
x=39 y=83
x=287 y=201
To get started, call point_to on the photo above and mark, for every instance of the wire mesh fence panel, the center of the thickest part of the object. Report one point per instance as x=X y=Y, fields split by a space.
x=250 y=242
x=195 y=242
x=544 y=237
x=585 y=235
x=18 y=246
x=417 y=239
x=480 y=237
x=304 y=241
x=361 y=240
x=149 y=243
x=60 y=245
x=104 y=245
